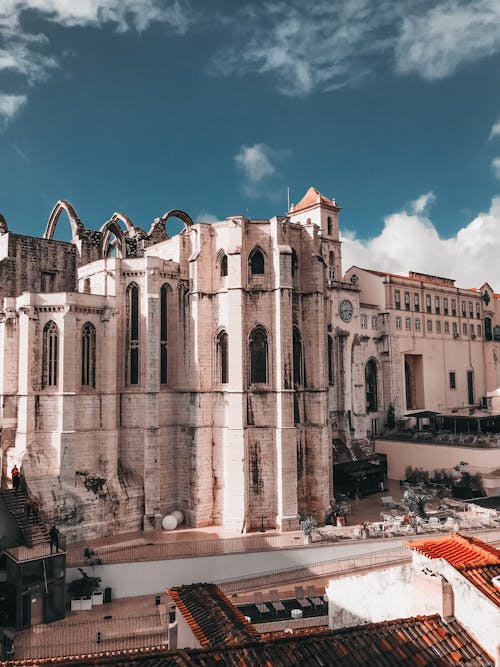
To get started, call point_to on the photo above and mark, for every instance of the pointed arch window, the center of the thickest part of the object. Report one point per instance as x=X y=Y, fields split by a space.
x=330 y=360
x=50 y=354
x=371 y=386
x=132 y=334
x=331 y=265
x=164 y=297
x=88 y=355
x=256 y=262
x=258 y=356
x=298 y=366
x=222 y=358
x=223 y=265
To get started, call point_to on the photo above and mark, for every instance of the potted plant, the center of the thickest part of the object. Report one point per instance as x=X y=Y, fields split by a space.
x=416 y=502
x=92 y=559
x=341 y=511
x=468 y=484
x=309 y=527
x=81 y=590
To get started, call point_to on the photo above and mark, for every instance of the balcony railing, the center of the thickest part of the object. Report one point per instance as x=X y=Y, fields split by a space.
x=23 y=553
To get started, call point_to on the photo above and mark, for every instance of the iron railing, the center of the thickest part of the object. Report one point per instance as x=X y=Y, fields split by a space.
x=92 y=636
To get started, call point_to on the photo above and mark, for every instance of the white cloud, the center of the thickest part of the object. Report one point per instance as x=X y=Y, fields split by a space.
x=9 y=106
x=258 y=165
x=495 y=130
x=409 y=241
x=422 y=203
x=207 y=217
x=309 y=44
x=434 y=44
x=28 y=55
x=255 y=162
x=125 y=14
x=495 y=165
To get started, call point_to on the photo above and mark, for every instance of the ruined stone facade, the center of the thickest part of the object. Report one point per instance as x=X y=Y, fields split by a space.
x=208 y=372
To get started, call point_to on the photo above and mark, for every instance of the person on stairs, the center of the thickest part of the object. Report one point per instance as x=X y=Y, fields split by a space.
x=16 y=478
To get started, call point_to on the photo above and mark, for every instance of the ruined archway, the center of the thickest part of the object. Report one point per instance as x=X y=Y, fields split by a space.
x=158 y=230
x=112 y=239
x=74 y=220
x=3 y=225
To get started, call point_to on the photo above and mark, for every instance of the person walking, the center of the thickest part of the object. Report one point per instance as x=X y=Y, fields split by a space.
x=54 y=538
x=16 y=478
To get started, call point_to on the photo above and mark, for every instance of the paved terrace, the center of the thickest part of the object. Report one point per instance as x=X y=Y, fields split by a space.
x=215 y=540
x=140 y=621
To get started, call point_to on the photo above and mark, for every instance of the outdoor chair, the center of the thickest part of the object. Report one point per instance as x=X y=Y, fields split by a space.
x=315 y=599
x=301 y=598
x=260 y=604
x=275 y=601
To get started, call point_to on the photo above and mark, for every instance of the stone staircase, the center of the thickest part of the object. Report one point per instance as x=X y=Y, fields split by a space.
x=32 y=529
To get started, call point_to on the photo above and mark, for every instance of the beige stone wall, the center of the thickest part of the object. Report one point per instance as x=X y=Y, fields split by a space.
x=223 y=453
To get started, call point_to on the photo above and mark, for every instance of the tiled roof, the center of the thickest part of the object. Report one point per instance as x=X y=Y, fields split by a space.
x=414 y=642
x=475 y=560
x=311 y=198
x=213 y=619
x=459 y=550
x=387 y=274
x=482 y=577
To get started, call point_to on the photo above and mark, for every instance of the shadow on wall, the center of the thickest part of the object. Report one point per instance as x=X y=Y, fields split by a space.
x=9 y=531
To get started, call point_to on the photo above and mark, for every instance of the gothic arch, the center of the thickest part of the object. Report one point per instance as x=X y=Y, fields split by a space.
x=159 y=224
x=257 y=262
x=111 y=227
x=372 y=389
x=74 y=220
x=258 y=355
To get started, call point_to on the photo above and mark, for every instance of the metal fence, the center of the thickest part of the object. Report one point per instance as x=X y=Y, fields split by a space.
x=98 y=635
x=195 y=548
x=318 y=569
x=23 y=553
x=335 y=566
x=170 y=550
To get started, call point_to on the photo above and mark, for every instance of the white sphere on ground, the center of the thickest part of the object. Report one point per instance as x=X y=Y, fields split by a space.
x=179 y=516
x=169 y=522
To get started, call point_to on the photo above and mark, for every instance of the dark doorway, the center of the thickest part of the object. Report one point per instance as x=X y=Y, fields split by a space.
x=470 y=386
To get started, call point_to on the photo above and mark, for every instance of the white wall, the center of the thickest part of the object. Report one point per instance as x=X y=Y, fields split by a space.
x=400 y=455
x=379 y=595
x=131 y=579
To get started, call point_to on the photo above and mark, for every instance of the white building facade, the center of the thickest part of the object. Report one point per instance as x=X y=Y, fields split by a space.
x=208 y=372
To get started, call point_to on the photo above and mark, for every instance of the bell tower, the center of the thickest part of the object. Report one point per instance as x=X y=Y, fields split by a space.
x=316 y=209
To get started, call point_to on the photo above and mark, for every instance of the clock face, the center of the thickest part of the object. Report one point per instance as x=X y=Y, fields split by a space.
x=345 y=310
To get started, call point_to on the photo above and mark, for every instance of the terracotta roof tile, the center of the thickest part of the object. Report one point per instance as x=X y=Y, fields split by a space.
x=213 y=619
x=404 y=642
x=311 y=198
x=475 y=560
x=458 y=550
x=482 y=577
x=424 y=640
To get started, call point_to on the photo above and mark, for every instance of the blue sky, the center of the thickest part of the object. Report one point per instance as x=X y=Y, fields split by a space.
x=216 y=107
